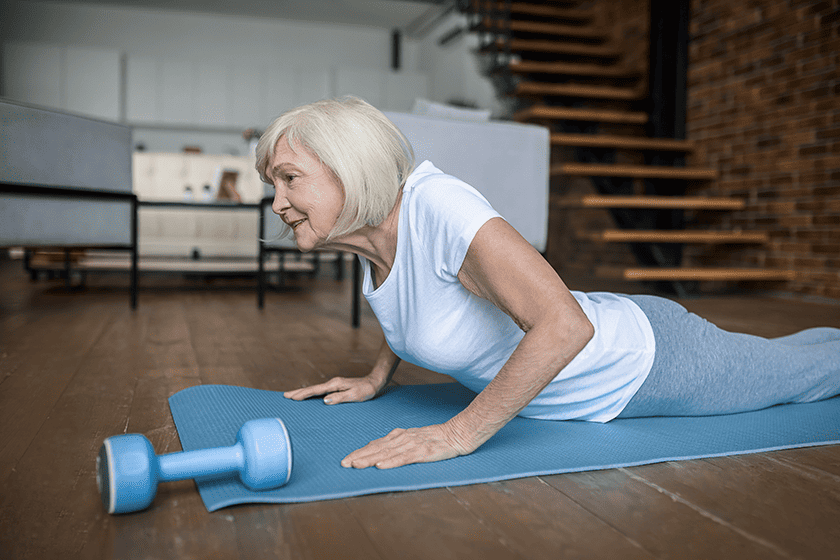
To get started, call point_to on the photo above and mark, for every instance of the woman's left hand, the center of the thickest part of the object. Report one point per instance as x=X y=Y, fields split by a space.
x=404 y=447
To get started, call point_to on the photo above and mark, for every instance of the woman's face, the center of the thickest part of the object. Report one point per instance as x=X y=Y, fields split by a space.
x=307 y=196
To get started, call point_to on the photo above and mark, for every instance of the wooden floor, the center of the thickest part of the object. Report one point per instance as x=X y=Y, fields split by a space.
x=78 y=366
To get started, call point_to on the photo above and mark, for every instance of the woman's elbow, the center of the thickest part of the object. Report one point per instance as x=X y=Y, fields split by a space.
x=585 y=330
x=575 y=329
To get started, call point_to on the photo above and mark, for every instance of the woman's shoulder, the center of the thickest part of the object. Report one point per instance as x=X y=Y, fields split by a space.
x=432 y=190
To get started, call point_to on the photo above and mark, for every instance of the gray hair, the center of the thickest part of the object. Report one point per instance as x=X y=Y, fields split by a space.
x=364 y=150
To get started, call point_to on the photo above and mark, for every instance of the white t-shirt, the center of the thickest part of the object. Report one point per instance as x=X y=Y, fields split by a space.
x=431 y=320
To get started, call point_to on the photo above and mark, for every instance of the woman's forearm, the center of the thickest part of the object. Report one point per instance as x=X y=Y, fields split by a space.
x=384 y=367
x=543 y=352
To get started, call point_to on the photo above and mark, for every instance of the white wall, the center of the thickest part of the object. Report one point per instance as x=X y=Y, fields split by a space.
x=171 y=34
x=453 y=70
x=183 y=79
x=193 y=79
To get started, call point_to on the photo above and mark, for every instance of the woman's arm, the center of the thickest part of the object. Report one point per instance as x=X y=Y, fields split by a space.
x=354 y=389
x=503 y=268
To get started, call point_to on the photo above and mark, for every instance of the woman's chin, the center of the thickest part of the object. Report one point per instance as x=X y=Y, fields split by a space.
x=304 y=245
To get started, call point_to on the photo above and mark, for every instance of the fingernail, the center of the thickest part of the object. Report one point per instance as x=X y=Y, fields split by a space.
x=327 y=400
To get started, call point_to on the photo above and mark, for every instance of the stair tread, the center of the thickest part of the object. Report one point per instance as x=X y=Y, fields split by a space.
x=542 y=10
x=571 y=113
x=558 y=47
x=558 y=29
x=577 y=90
x=645 y=201
x=642 y=171
x=626 y=142
x=674 y=236
x=694 y=273
x=571 y=69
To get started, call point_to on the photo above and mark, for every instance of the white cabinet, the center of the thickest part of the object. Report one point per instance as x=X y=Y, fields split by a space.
x=32 y=73
x=367 y=83
x=387 y=91
x=74 y=79
x=312 y=86
x=286 y=88
x=93 y=82
x=182 y=93
x=212 y=95
x=246 y=94
x=175 y=92
x=164 y=176
x=230 y=95
x=179 y=231
x=141 y=89
x=182 y=231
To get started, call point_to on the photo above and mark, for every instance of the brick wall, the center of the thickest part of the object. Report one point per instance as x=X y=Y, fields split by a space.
x=763 y=108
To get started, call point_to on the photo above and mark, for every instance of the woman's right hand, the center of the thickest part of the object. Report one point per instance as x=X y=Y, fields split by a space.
x=339 y=390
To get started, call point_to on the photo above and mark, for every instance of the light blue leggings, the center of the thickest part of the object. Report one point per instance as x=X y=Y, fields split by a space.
x=700 y=369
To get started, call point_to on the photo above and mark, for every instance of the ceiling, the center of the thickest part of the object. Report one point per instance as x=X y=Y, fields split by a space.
x=379 y=13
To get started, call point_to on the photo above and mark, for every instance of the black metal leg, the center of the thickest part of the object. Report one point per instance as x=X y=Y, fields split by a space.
x=339 y=266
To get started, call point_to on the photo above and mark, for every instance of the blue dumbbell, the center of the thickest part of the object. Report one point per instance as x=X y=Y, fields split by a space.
x=128 y=471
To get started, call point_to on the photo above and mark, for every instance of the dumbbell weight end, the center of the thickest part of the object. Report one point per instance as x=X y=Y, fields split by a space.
x=128 y=471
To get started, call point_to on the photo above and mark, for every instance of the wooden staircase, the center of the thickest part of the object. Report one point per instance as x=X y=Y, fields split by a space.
x=559 y=66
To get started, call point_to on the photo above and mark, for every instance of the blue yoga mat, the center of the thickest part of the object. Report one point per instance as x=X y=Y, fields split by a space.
x=321 y=435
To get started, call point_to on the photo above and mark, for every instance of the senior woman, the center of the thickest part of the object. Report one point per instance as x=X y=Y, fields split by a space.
x=457 y=290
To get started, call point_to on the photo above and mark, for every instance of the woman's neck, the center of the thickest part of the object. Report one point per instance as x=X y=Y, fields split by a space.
x=378 y=244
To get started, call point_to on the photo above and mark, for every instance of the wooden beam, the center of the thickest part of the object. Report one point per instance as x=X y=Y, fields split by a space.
x=572 y=69
x=596 y=51
x=688 y=273
x=543 y=112
x=621 y=142
x=639 y=171
x=674 y=236
x=570 y=14
x=655 y=202
x=577 y=31
x=577 y=90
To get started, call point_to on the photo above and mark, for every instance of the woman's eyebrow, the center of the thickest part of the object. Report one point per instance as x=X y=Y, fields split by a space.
x=282 y=168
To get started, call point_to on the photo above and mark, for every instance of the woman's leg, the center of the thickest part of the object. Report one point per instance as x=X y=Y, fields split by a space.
x=700 y=369
x=817 y=335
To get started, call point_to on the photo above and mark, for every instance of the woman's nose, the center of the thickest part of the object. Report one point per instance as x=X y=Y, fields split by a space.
x=280 y=203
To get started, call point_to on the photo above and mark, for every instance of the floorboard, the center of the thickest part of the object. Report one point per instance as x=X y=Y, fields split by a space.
x=537 y=521
x=749 y=494
x=428 y=524
x=663 y=526
x=77 y=365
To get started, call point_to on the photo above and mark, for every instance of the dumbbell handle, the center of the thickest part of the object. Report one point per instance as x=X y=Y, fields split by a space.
x=202 y=462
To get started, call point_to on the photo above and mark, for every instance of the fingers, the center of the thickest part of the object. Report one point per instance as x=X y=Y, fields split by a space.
x=372 y=453
x=336 y=390
x=312 y=390
x=352 y=394
x=402 y=447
